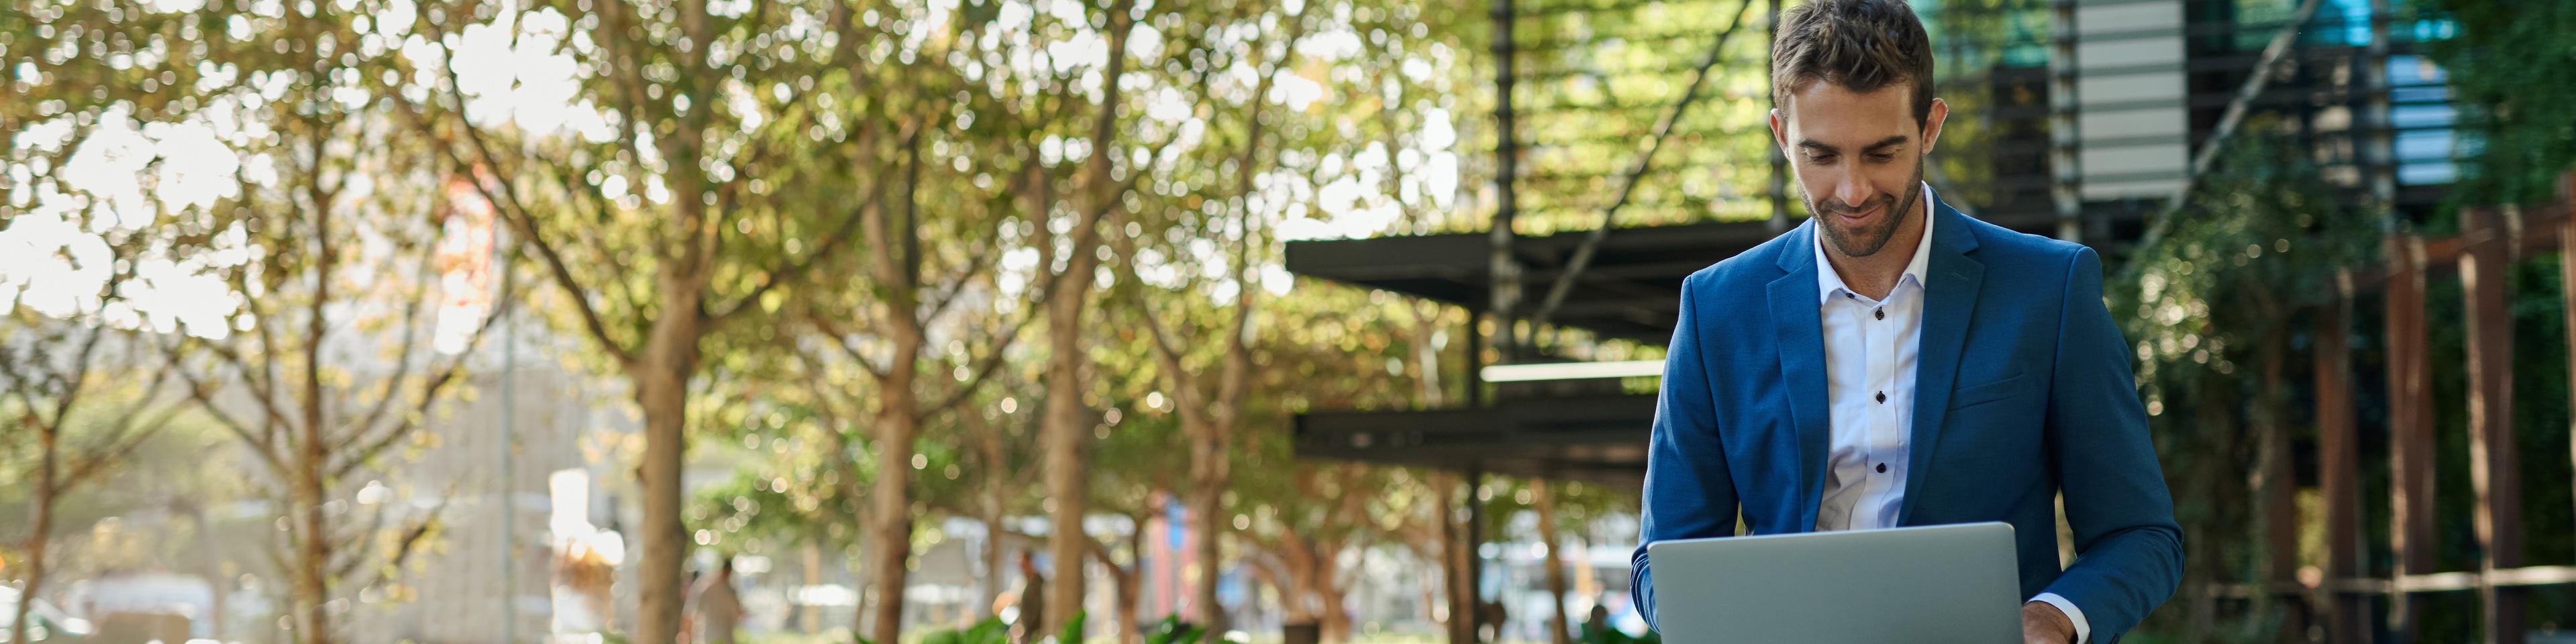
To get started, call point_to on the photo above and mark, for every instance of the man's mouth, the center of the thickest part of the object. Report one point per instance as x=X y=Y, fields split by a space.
x=1854 y=218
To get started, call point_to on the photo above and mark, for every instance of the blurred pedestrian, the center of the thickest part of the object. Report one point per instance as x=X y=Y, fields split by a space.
x=1028 y=627
x=719 y=608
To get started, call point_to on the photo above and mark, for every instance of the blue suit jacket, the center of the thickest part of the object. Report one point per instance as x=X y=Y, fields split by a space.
x=2024 y=393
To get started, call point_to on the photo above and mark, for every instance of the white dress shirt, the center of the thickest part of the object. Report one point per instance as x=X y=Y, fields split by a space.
x=1871 y=346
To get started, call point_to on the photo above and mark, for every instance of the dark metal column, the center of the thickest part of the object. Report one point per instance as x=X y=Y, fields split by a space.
x=1475 y=358
x=2064 y=168
x=1506 y=268
x=2378 y=153
x=1475 y=553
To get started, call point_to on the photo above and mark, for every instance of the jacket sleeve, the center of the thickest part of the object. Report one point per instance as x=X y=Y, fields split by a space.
x=1689 y=494
x=2129 y=554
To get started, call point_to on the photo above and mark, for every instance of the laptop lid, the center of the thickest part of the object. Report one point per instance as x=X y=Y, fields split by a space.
x=1929 y=585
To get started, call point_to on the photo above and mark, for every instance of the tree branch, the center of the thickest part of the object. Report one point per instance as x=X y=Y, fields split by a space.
x=991 y=364
x=841 y=341
x=506 y=204
x=428 y=395
x=403 y=356
x=793 y=270
x=198 y=391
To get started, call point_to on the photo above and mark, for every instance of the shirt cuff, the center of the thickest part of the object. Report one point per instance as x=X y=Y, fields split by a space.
x=2083 y=630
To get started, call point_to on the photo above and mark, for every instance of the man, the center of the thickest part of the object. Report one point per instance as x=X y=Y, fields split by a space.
x=1032 y=617
x=719 y=608
x=1892 y=362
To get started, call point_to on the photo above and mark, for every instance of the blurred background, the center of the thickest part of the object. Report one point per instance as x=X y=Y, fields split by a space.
x=586 y=321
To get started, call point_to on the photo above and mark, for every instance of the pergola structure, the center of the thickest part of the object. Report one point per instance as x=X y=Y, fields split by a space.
x=2094 y=122
x=2113 y=64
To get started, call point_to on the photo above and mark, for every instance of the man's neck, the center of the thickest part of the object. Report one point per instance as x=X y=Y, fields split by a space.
x=1875 y=276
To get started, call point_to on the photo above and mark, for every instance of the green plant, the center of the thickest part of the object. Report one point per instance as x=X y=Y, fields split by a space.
x=1599 y=633
x=1174 y=631
x=1072 y=633
x=989 y=631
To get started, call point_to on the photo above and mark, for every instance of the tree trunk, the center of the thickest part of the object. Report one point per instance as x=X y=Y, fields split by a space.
x=844 y=450
x=1555 y=561
x=1065 y=440
x=1453 y=561
x=43 y=525
x=208 y=552
x=661 y=390
x=1207 y=510
x=1065 y=435
x=313 y=549
x=994 y=477
x=810 y=620
x=1335 y=618
x=893 y=494
x=1130 y=585
x=2277 y=483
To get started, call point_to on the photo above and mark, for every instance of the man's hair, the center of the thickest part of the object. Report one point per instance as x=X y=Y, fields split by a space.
x=1860 y=45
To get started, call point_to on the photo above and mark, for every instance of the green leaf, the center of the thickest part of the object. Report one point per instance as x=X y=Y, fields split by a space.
x=1072 y=633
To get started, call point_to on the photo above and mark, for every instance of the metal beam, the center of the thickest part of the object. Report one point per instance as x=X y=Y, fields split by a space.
x=1504 y=270
x=1574 y=370
x=1645 y=161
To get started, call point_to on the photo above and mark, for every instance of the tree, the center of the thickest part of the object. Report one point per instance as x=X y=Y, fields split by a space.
x=901 y=313
x=78 y=204
x=60 y=388
x=309 y=384
x=1210 y=413
x=700 y=197
x=1064 y=431
x=272 y=206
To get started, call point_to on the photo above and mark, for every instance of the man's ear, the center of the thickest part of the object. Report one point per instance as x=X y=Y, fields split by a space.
x=1932 y=124
x=1779 y=131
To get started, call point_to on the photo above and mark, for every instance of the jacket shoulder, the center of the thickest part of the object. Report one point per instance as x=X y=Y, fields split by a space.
x=1748 y=271
x=2016 y=252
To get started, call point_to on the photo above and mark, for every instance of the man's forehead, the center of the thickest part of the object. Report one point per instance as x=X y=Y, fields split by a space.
x=1829 y=114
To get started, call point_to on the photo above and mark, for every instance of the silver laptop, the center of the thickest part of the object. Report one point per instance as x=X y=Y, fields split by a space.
x=1927 y=585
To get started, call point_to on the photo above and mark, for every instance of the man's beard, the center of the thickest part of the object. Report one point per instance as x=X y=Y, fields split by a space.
x=1867 y=240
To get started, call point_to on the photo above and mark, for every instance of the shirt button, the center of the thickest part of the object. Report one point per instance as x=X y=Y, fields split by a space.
x=1882 y=468
x=1882 y=397
x=1881 y=313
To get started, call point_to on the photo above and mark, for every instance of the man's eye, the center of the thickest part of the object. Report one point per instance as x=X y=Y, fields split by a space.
x=1820 y=159
x=1882 y=157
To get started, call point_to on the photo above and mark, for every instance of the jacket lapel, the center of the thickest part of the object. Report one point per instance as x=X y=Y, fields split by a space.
x=1798 y=325
x=1950 y=298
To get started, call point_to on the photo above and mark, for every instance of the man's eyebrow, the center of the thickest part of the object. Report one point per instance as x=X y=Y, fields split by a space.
x=1888 y=142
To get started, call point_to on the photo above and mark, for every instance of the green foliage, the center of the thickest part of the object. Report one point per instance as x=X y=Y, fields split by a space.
x=2213 y=318
x=1596 y=633
x=989 y=631
x=2507 y=67
x=1072 y=632
x=1174 y=631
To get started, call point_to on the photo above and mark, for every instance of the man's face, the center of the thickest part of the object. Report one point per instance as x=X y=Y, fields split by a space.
x=1858 y=159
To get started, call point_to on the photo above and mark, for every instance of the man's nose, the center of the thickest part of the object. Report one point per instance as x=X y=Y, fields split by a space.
x=1852 y=193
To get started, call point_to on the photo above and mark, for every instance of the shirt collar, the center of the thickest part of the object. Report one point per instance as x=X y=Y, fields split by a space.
x=1830 y=281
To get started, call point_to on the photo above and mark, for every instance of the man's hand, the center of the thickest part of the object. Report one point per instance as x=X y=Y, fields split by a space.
x=2042 y=623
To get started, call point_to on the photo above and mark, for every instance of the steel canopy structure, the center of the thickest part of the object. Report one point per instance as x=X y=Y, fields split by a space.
x=2058 y=89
